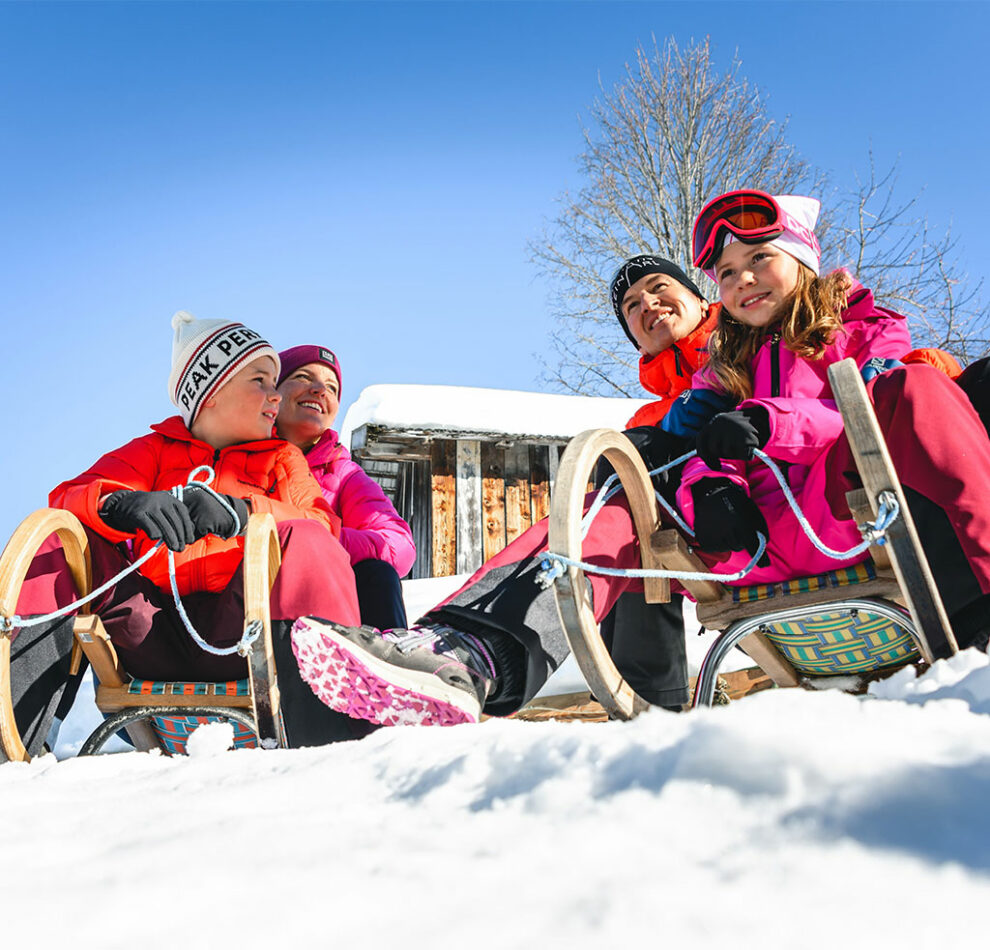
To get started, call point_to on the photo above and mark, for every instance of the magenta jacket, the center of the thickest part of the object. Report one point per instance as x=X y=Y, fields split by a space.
x=804 y=424
x=371 y=528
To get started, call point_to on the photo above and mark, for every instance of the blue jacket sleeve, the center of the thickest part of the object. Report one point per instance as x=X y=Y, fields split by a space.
x=692 y=409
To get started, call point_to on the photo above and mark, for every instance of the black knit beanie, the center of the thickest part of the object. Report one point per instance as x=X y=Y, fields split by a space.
x=638 y=267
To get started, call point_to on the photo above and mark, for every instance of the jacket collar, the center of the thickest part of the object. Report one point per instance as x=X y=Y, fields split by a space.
x=174 y=428
x=324 y=450
x=682 y=360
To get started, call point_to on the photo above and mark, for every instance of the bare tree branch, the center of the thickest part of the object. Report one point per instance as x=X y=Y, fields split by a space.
x=912 y=269
x=676 y=131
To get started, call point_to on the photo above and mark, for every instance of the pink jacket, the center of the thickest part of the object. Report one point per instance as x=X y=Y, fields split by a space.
x=804 y=424
x=371 y=528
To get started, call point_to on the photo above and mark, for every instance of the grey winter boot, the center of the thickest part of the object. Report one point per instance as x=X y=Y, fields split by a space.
x=430 y=675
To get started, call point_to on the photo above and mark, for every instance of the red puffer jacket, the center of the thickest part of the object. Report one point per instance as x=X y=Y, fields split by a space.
x=669 y=373
x=272 y=475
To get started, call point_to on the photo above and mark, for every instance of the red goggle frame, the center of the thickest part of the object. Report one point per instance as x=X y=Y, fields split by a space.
x=752 y=216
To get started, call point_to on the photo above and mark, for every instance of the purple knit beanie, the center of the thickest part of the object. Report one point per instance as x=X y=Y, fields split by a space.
x=297 y=356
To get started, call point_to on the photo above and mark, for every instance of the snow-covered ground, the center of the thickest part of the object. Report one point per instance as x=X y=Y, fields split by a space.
x=788 y=818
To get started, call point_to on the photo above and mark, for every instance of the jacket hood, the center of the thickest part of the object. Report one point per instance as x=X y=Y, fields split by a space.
x=861 y=306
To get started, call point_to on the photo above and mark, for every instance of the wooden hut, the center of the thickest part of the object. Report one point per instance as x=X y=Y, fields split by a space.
x=469 y=469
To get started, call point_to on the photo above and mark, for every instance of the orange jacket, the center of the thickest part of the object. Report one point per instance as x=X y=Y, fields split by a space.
x=271 y=475
x=669 y=373
x=946 y=362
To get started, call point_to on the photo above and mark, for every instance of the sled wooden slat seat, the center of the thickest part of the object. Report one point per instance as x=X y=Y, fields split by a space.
x=144 y=708
x=236 y=693
x=876 y=615
x=826 y=642
x=719 y=603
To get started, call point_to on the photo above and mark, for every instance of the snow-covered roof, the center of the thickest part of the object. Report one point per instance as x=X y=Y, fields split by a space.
x=464 y=409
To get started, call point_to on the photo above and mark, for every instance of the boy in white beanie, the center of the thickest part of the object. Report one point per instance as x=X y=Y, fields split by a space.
x=223 y=382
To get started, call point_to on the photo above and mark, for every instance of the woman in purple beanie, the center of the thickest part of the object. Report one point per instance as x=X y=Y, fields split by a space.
x=378 y=541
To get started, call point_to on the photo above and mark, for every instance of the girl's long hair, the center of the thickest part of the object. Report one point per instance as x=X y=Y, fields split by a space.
x=812 y=318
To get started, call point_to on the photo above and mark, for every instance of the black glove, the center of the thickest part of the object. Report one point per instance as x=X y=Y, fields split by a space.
x=727 y=519
x=210 y=517
x=160 y=515
x=734 y=435
x=656 y=447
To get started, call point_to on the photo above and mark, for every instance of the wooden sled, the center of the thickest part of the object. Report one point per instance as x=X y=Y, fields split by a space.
x=878 y=615
x=155 y=715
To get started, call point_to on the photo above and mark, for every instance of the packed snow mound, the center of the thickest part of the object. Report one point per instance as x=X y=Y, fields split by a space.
x=790 y=813
x=965 y=676
x=211 y=738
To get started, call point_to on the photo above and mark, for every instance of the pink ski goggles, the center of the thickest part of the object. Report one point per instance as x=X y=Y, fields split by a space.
x=753 y=217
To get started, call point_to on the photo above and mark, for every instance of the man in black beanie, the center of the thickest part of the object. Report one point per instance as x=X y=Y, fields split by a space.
x=666 y=317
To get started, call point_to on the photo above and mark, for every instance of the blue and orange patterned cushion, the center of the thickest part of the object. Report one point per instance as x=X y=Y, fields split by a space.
x=836 y=642
x=162 y=688
x=174 y=731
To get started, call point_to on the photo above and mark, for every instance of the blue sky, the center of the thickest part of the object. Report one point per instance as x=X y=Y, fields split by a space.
x=368 y=175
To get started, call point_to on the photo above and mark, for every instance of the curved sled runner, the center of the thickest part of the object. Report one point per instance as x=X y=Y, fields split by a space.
x=876 y=615
x=155 y=715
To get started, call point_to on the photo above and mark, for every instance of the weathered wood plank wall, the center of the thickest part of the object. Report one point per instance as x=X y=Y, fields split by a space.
x=443 y=493
x=492 y=498
x=539 y=480
x=470 y=550
x=518 y=516
x=468 y=499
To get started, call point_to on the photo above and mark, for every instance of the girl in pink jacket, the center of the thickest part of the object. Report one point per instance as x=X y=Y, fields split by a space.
x=378 y=541
x=782 y=325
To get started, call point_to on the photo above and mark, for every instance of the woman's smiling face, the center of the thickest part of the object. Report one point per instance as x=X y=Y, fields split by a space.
x=310 y=401
x=659 y=311
x=756 y=282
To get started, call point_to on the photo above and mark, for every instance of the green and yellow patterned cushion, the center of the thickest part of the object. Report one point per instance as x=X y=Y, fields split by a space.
x=835 y=642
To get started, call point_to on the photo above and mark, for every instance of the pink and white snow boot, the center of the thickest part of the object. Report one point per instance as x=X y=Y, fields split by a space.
x=425 y=676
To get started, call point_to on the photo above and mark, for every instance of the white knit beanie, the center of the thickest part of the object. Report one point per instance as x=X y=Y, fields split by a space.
x=205 y=355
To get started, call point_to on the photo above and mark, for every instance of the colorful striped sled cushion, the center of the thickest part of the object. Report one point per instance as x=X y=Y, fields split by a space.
x=835 y=642
x=174 y=731
x=842 y=577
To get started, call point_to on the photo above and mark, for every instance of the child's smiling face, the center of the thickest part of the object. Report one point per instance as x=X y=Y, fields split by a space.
x=242 y=410
x=756 y=282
